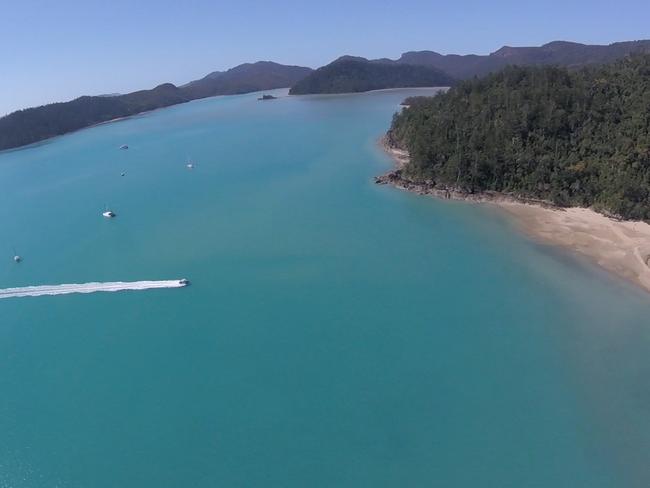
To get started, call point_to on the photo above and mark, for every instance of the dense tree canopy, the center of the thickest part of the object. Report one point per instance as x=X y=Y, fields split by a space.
x=571 y=137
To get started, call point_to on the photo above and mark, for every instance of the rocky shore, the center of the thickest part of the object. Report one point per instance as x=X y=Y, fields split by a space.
x=397 y=179
x=621 y=247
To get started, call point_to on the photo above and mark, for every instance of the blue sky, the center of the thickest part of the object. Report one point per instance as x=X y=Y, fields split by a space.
x=57 y=50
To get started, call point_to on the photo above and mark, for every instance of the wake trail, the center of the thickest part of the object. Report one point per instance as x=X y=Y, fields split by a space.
x=36 y=291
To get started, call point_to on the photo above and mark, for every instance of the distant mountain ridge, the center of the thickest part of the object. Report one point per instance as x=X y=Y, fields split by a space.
x=246 y=78
x=39 y=123
x=346 y=74
x=354 y=73
x=36 y=124
x=350 y=74
x=561 y=53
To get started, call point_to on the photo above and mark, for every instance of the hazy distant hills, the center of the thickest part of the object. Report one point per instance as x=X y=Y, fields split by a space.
x=36 y=124
x=352 y=74
x=245 y=78
x=346 y=74
x=562 y=53
x=355 y=74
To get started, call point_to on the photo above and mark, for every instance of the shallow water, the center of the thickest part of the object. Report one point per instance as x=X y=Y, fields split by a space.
x=336 y=333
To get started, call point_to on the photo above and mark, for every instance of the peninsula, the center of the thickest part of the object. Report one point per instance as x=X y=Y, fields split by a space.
x=39 y=123
x=565 y=151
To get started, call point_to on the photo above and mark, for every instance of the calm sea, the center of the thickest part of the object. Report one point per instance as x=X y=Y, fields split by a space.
x=336 y=333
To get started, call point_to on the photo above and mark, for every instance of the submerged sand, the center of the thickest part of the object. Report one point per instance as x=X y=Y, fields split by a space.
x=621 y=247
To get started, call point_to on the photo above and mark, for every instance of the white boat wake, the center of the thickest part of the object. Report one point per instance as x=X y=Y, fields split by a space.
x=36 y=291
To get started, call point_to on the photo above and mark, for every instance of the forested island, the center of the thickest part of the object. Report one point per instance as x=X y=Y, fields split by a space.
x=429 y=68
x=570 y=137
x=351 y=74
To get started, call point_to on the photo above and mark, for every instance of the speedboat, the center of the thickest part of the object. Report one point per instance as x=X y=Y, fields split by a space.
x=109 y=214
x=124 y=146
x=184 y=282
x=190 y=165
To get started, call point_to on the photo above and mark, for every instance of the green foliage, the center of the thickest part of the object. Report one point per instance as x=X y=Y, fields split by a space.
x=571 y=137
x=246 y=78
x=35 y=124
x=359 y=75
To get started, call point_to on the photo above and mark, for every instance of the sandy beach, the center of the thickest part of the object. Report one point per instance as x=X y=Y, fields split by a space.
x=621 y=247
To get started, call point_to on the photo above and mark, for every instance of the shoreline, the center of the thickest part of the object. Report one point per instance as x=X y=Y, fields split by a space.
x=49 y=139
x=378 y=90
x=620 y=247
x=145 y=112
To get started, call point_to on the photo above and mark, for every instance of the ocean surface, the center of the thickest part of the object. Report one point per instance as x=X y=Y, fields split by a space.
x=336 y=333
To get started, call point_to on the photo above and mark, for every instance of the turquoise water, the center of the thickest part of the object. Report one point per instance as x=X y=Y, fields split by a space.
x=336 y=333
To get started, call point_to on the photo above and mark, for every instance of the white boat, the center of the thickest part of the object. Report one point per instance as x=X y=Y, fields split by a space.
x=17 y=258
x=109 y=214
x=184 y=282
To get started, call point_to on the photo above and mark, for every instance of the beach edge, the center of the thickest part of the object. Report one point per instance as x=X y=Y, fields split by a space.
x=620 y=247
